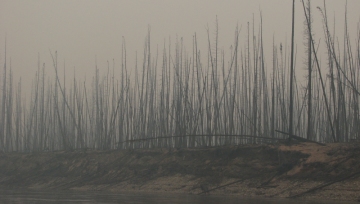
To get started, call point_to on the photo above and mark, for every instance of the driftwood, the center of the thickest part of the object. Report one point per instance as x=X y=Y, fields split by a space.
x=324 y=185
x=299 y=138
x=265 y=184
x=228 y=184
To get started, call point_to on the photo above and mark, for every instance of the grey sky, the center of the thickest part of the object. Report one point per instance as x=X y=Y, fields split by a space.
x=82 y=29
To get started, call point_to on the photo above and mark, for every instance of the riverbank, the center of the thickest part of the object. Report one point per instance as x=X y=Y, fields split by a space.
x=281 y=170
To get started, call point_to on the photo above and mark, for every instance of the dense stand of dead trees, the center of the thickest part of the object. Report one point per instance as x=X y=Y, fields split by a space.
x=200 y=98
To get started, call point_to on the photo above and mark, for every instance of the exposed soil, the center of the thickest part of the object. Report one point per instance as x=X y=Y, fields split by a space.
x=280 y=170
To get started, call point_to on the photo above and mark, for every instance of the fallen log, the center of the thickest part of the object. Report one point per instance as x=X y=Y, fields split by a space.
x=299 y=138
x=177 y=136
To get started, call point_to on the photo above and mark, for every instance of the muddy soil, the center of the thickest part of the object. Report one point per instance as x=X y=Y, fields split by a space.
x=302 y=170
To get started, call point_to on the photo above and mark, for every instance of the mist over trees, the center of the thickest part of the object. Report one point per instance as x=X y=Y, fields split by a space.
x=186 y=97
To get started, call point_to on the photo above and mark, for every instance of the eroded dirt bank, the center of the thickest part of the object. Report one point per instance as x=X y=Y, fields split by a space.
x=249 y=170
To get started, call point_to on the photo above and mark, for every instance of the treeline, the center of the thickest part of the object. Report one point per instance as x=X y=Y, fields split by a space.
x=182 y=98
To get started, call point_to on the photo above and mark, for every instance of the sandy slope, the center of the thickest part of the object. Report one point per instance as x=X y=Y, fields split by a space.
x=280 y=170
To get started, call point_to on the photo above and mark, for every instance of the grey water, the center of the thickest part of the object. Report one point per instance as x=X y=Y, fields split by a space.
x=52 y=197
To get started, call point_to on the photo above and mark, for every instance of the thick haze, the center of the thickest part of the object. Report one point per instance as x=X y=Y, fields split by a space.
x=84 y=30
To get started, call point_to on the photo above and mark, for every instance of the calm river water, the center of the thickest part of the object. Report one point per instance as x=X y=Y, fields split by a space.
x=42 y=197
